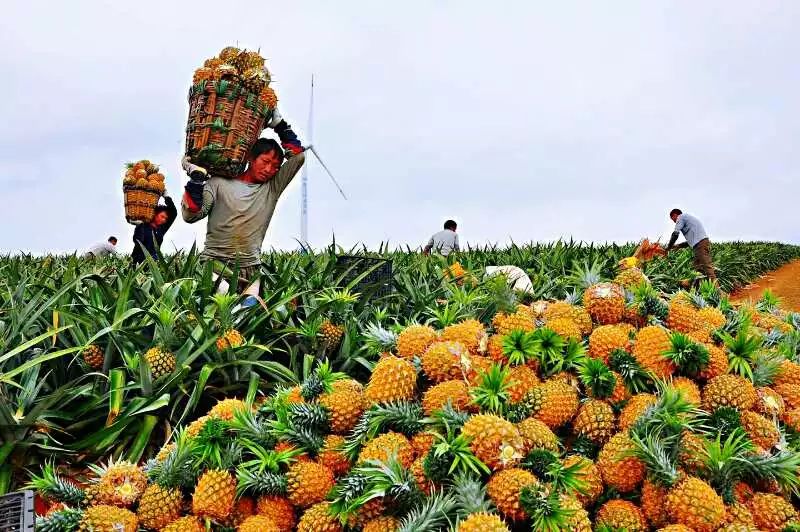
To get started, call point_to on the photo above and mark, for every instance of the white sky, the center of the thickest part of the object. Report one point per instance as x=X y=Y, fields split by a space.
x=524 y=120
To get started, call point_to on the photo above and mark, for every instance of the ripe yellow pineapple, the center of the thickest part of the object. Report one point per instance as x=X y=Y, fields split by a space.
x=770 y=512
x=589 y=476
x=565 y=328
x=444 y=361
x=689 y=390
x=422 y=442
x=563 y=309
x=503 y=323
x=319 y=519
x=618 y=514
x=504 y=489
x=618 y=469
x=652 y=502
x=761 y=430
x=231 y=339
x=382 y=524
x=717 y=362
x=651 y=344
x=692 y=452
x=228 y=54
x=214 y=495
x=308 y=483
x=159 y=506
x=683 y=317
x=790 y=394
x=392 y=379
x=711 y=318
x=332 y=457
x=331 y=334
x=769 y=402
x=729 y=390
x=469 y=333
x=635 y=408
x=94 y=357
x=120 y=484
x=106 y=518
x=554 y=402
x=347 y=384
x=482 y=522
x=386 y=445
x=605 y=339
x=188 y=523
x=522 y=379
x=630 y=278
x=495 y=441
x=605 y=303
x=161 y=362
x=258 y=523
x=577 y=518
x=414 y=340
x=279 y=509
x=594 y=421
x=788 y=373
x=268 y=97
x=537 y=435
x=692 y=502
x=227 y=408
x=454 y=392
x=344 y=409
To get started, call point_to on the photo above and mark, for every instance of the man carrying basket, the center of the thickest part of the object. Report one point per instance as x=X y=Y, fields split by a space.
x=239 y=209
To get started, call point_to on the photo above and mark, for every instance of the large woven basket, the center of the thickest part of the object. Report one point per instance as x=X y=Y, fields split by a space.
x=225 y=120
x=140 y=204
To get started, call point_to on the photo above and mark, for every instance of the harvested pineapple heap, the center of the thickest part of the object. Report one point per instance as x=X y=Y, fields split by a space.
x=246 y=67
x=628 y=412
x=145 y=175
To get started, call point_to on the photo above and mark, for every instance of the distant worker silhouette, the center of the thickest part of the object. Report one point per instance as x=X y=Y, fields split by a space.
x=444 y=242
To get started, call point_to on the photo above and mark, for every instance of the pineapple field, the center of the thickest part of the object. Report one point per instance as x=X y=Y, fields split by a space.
x=607 y=399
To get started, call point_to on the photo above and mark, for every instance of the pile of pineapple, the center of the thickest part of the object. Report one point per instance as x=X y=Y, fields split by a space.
x=246 y=67
x=144 y=175
x=615 y=409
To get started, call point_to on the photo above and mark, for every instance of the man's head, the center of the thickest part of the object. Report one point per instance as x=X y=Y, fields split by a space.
x=450 y=225
x=674 y=213
x=160 y=217
x=266 y=157
x=112 y=240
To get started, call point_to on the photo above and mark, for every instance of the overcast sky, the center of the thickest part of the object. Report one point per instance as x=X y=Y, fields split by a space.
x=525 y=120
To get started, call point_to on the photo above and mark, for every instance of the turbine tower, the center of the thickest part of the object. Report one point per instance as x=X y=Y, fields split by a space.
x=304 y=195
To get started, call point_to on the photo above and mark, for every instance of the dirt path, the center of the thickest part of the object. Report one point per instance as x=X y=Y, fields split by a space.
x=783 y=282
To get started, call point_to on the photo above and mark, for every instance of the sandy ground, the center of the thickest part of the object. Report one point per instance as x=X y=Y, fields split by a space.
x=783 y=282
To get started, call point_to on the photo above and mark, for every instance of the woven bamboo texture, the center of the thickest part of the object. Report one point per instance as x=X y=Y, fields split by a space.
x=225 y=120
x=140 y=204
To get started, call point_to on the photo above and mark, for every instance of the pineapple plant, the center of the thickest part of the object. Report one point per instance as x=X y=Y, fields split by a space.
x=162 y=501
x=414 y=340
x=119 y=483
x=605 y=302
x=338 y=307
x=229 y=337
x=214 y=495
x=159 y=358
x=392 y=379
x=94 y=357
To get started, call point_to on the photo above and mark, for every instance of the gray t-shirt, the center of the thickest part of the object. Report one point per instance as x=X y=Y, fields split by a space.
x=691 y=228
x=101 y=249
x=239 y=214
x=444 y=242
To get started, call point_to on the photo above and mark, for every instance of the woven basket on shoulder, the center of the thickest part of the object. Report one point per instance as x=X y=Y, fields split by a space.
x=140 y=204
x=225 y=120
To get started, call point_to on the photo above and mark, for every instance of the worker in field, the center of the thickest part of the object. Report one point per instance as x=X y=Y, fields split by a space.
x=147 y=238
x=102 y=249
x=444 y=242
x=239 y=209
x=696 y=238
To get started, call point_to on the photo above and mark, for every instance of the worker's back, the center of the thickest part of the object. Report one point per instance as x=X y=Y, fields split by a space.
x=444 y=242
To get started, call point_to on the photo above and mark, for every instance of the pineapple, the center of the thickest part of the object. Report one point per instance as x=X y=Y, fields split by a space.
x=94 y=357
x=189 y=523
x=227 y=409
x=605 y=303
x=214 y=495
x=344 y=410
x=332 y=456
x=554 y=402
x=331 y=333
x=268 y=97
x=159 y=506
x=384 y=446
x=228 y=54
x=695 y=504
x=683 y=317
x=717 y=363
x=160 y=362
x=577 y=518
x=495 y=441
x=618 y=468
x=789 y=373
x=414 y=340
x=711 y=318
x=392 y=379
x=338 y=304
x=444 y=361
x=589 y=476
x=230 y=339
x=482 y=522
x=771 y=513
x=504 y=489
x=247 y=60
x=728 y=390
x=566 y=328
x=761 y=430
x=279 y=509
x=688 y=389
x=59 y=520
x=119 y=484
x=618 y=514
x=243 y=508
x=105 y=518
x=258 y=523
x=469 y=333
x=769 y=402
x=790 y=393
x=651 y=344
x=606 y=339
x=454 y=392
x=629 y=278
x=537 y=435
x=522 y=380
x=382 y=524
x=318 y=518
x=594 y=421
x=308 y=483
x=521 y=320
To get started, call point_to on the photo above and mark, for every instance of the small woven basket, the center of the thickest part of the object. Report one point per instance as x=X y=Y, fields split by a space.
x=140 y=204
x=225 y=120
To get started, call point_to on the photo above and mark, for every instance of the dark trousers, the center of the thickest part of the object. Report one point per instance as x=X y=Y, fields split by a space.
x=702 y=259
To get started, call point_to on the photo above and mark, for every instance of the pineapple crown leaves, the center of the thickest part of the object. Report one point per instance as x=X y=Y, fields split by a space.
x=165 y=318
x=500 y=293
x=448 y=418
x=50 y=484
x=178 y=469
x=402 y=416
x=446 y=315
x=519 y=346
x=772 y=338
x=518 y=411
x=586 y=275
x=217 y=447
x=64 y=519
x=710 y=292
x=766 y=367
x=337 y=303
x=597 y=377
x=491 y=394
x=248 y=425
x=432 y=513
x=742 y=350
x=538 y=461
x=636 y=378
x=320 y=380
x=659 y=450
x=255 y=482
x=789 y=346
x=585 y=447
x=299 y=426
x=261 y=475
x=223 y=309
x=670 y=415
x=769 y=302
x=543 y=504
x=309 y=416
x=470 y=495
x=346 y=490
x=378 y=339
x=724 y=421
x=690 y=357
x=457 y=452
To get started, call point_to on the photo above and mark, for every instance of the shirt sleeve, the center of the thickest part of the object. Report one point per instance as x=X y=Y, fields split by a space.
x=172 y=213
x=680 y=225
x=209 y=197
x=110 y=248
x=287 y=172
x=429 y=245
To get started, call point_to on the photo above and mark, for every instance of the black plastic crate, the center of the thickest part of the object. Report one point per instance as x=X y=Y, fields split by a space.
x=16 y=512
x=377 y=280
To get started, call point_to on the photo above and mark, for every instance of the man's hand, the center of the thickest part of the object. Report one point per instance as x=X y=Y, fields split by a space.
x=196 y=173
x=289 y=141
